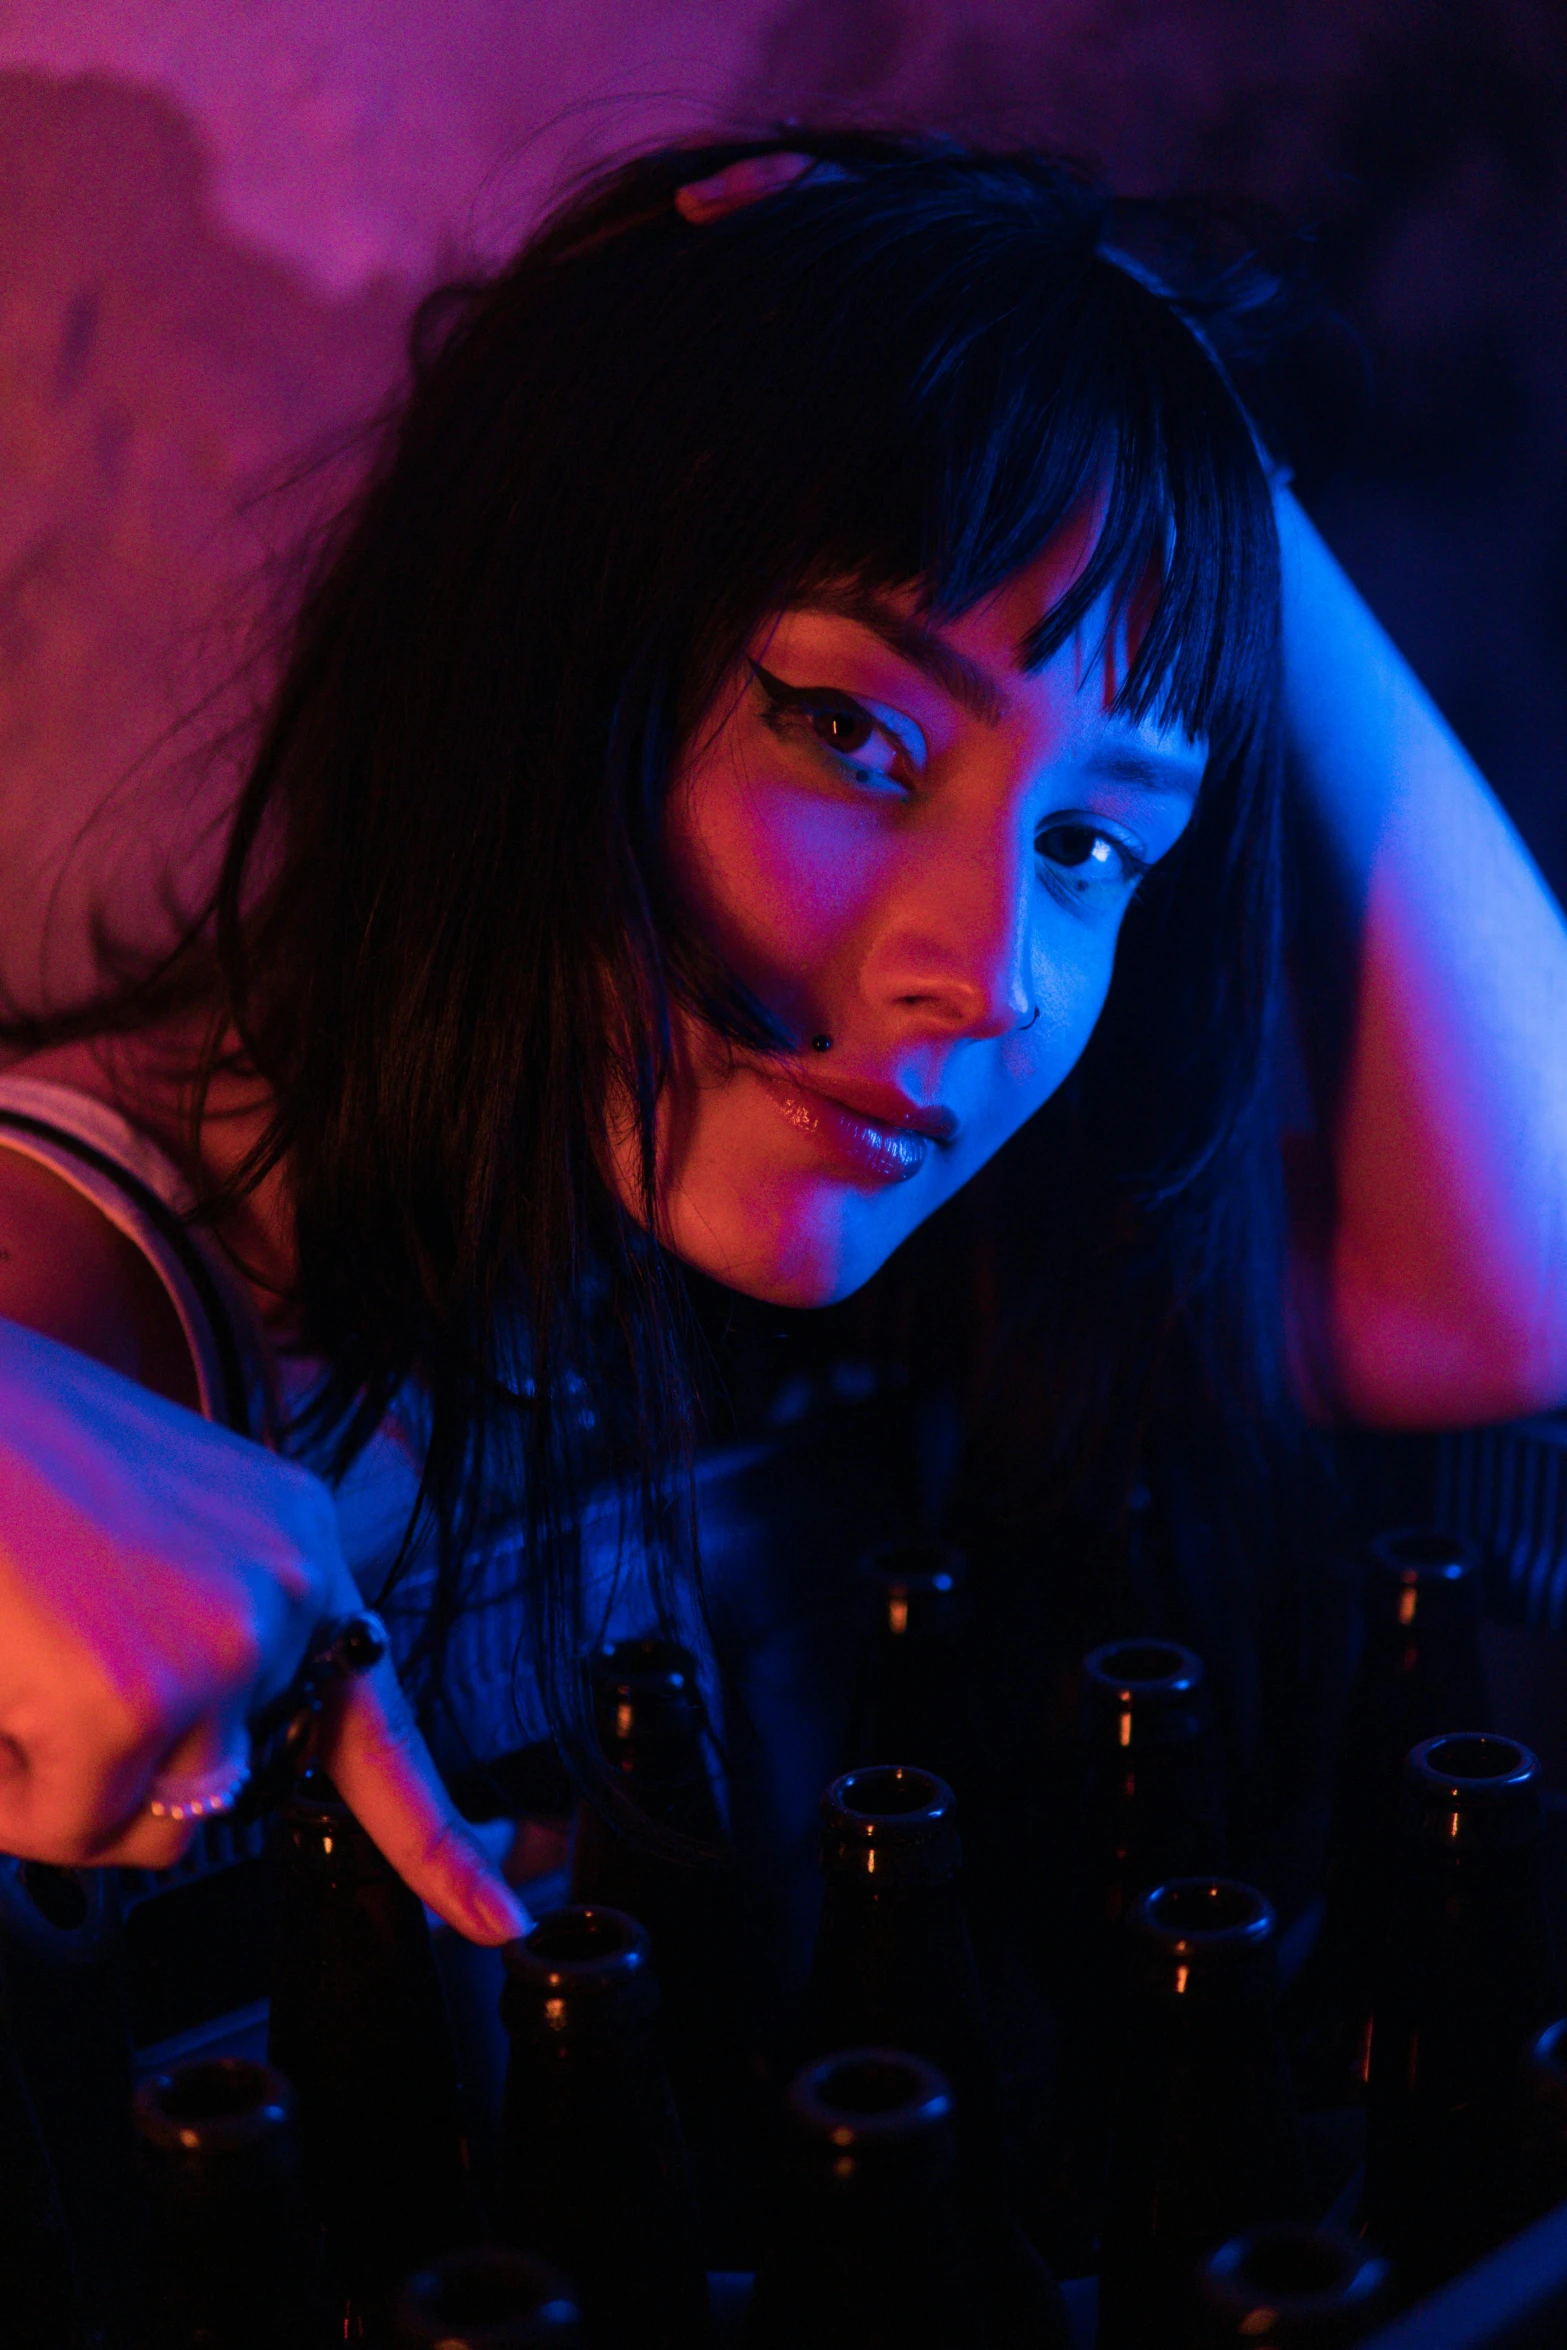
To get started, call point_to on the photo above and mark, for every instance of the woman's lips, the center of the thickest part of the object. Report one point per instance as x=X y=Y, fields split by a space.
x=862 y=1145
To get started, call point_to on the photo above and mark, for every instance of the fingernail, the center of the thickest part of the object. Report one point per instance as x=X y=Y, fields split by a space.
x=500 y=1914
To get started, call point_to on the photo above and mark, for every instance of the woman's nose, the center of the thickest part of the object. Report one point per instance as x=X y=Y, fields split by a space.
x=956 y=944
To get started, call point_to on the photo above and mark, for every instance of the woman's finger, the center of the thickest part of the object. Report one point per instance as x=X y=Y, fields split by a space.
x=380 y=1765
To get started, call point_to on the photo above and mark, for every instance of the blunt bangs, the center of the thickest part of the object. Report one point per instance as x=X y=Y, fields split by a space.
x=911 y=369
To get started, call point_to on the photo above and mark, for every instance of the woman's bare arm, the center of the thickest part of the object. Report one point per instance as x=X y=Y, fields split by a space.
x=1440 y=1287
x=67 y=1273
x=159 y=1578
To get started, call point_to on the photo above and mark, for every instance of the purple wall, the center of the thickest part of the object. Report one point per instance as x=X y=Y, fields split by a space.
x=214 y=218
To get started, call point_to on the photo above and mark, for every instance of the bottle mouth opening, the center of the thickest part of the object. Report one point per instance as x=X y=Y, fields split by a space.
x=1473 y=1758
x=474 y=2290
x=1143 y=1667
x=582 y=1944
x=870 y=2092
x=871 y=2084
x=225 y=2101
x=1548 y=2058
x=890 y=1791
x=1206 y=1910
x=582 y=1933
x=1293 y=2266
x=1297 y=2272
x=1425 y=1550
x=920 y=1564
x=644 y=1664
x=217 y=2090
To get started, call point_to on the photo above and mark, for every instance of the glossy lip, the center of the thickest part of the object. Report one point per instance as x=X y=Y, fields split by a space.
x=873 y=1130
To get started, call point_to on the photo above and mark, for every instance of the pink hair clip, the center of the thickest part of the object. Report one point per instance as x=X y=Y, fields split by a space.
x=744 y=182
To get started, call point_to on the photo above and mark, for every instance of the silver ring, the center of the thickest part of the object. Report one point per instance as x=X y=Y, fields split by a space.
x=198 y=1795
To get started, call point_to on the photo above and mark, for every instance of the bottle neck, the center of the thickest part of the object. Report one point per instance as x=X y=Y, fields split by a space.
x=488 y=2298
x=870 y=2126
x=1472 y=1796
x=1202 y=1947
x=913 y=1593
x=583 y=1976
x=648 y=1707
x=1140 y=1696
x=889 y=1828
x=1290 y=2287
x=210 y=2117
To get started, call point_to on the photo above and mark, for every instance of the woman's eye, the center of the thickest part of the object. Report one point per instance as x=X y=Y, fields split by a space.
x=868 y=746
x=1088 y=859
x=842 y=730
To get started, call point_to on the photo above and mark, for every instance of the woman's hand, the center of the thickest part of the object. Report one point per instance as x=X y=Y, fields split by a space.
x=159 y=1580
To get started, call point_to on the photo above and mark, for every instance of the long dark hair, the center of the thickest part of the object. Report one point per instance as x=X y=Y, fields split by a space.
x=443 y=933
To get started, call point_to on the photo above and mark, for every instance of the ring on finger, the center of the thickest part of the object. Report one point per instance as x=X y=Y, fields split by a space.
x=199 y=1795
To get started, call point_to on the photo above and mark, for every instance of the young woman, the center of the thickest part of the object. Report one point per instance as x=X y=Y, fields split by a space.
x=785 y=754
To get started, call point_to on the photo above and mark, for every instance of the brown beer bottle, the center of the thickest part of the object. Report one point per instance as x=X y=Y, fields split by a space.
x=913 y=1600
x=674 y=1877
x=221 y=2242
x=487 y=2298
x=1149 y=1810
x=38 y=2287
x=893 y=1967
x=1206 y=2138
x=1467 y=1983
x=594 y=2173
x=1290 y=2287
x=359 y=2026
x=1419 y=1674
x=870 y=2248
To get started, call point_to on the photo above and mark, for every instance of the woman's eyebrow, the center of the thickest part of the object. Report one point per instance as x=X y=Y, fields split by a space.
x=1147 y=769
x=972 y=687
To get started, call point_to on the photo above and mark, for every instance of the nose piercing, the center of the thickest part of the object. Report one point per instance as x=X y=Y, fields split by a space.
x=1026 y=1025
x=821 y=1044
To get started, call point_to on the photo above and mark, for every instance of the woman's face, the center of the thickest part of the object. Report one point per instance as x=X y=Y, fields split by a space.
x=907 y=843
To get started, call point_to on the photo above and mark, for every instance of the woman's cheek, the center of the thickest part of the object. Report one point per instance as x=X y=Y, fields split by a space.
x=794 y=876
x=1072 y=969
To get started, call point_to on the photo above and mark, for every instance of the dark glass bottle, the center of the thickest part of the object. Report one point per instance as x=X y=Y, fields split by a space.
x=594 y=2173
x=652 y=1726
x=913 y=1599
x=62 y=1957
x=893 y=1967
x=870 y=2249
x=1206 y=2139
x=1467 y=1981
x=1290 y=2287
x=1419 y=1675
x=1542 y=2135
x=359 y=2025
x=487 y=2298
x=1148 y=1812
x=674 y=1878
x=38 y=2288
x=217 y=2172
x=1149 y=1807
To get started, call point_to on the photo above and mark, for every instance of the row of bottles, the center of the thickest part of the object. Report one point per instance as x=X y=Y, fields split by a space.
x=870 y=2251
x=1429 y=2000
x=887 y=2195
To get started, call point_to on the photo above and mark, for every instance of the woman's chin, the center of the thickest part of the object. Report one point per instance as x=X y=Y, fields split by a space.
x=792 y=1267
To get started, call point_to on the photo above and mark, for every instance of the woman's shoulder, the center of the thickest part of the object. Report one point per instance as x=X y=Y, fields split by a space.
x=97 y=1245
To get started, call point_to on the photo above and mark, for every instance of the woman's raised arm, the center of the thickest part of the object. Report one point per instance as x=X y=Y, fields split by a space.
x=1437 y=1292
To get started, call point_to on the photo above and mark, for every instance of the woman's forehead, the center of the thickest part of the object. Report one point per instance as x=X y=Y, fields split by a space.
x=980 y=658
